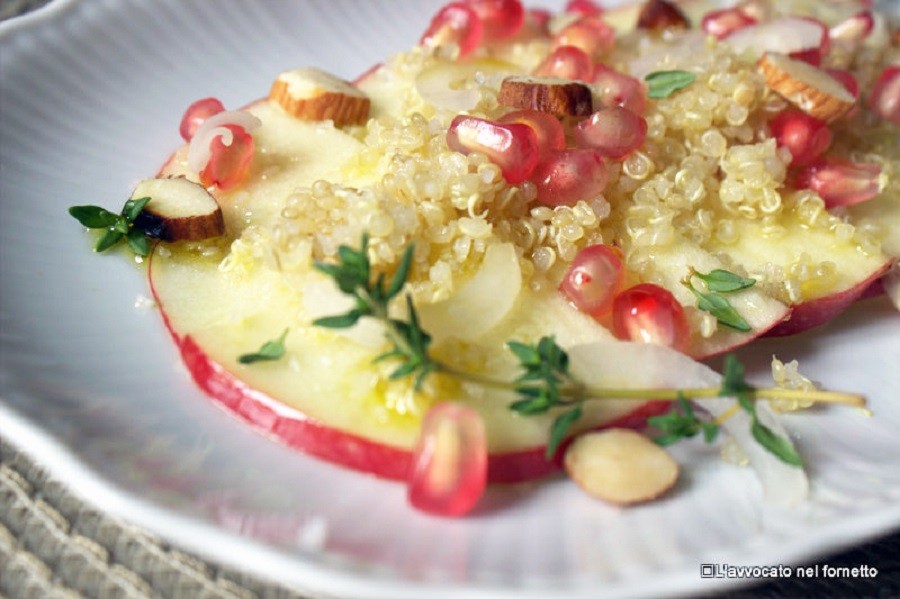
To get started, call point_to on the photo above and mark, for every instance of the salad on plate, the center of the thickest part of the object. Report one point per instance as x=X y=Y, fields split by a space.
x=511 y=249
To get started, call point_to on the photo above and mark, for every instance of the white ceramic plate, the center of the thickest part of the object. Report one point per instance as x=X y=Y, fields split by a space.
x=91 y=385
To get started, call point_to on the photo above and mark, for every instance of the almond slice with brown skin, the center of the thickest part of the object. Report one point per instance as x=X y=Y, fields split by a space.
x=620 y=466
x=311 y=94
x=561 y=97
x=810 y=88
x=178 y=210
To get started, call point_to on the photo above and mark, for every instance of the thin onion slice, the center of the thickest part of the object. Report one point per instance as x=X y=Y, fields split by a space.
x=199 y=150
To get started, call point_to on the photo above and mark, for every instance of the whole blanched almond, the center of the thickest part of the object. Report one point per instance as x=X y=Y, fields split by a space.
x=178 y=210
x=620 y=466
x=311 y=94
x=810 y=88
x=561 y=97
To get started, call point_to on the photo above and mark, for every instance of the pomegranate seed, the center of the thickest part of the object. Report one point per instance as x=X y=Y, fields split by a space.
x=659 y=14
x=647 y=313
x=853 y=29
x=885 y=97
x=594 y=278
x=449 y=471
x=513 y=147
x=564 y=177
x=229 y=159
x=456 y=23
x=614 y=88
x=722 y=23
x=583 y=7
x=615 y=132
x=589 y=33
x=499 y=18
x=811 y=55
x=841 y=183
x=548 y=130
x=196 y=113
x=537 y=21
x=567 y=62
x=805 y=136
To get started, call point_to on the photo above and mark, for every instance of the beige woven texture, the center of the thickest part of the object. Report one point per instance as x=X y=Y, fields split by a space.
x=52 y=544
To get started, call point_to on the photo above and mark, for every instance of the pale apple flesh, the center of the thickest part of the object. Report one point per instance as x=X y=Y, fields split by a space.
x=339 y=414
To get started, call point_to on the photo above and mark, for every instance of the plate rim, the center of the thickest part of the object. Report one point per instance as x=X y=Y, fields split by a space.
x=229 y=547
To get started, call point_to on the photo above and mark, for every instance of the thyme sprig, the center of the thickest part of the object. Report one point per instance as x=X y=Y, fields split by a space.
x=546 y=384
x=118 y=226
x=717 y=282
x=353 y=275
x=682 y=423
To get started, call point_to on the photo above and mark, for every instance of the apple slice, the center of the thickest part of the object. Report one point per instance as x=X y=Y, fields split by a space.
x=816 y=299
x=673 y=263
x=786 y=35
x=326 y=398
x=178 y=210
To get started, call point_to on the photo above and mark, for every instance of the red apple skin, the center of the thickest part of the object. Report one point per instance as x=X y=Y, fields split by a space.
x=819 y=311
x=297 y=430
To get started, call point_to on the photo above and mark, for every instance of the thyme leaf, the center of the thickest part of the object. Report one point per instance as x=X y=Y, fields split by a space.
x=269 y=351
x=663 y=84
x=723 y=281
x=713 y=302
x=118 y=226
x=682 y=423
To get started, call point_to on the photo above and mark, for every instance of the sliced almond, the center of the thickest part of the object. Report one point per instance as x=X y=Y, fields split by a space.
x=178 y=210
x=561 y=97
x=314 y=95
x=620 y=466
x=810 y=88
x=656 y=15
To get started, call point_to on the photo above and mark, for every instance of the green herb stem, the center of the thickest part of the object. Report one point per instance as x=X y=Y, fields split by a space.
x=572 y=394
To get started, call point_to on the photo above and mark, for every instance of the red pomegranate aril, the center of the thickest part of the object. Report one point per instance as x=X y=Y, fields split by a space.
x=499 y=18
x=590 y=33
x=805 y=136
x=722 y=23
x=456 y=23
x=885 y=97
x=513 y=147
x=548 y=130
x=449 y=469
x=583 y=7
x=537 y=21
x=196 y=113
x=566 y=176
x=648 y=313
x=841 y=183
x=615 y=132
x=229 y=159
x=615 y=88
x=567 y=62
x=812 y=56
x=853 y=29
x=594 y=278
